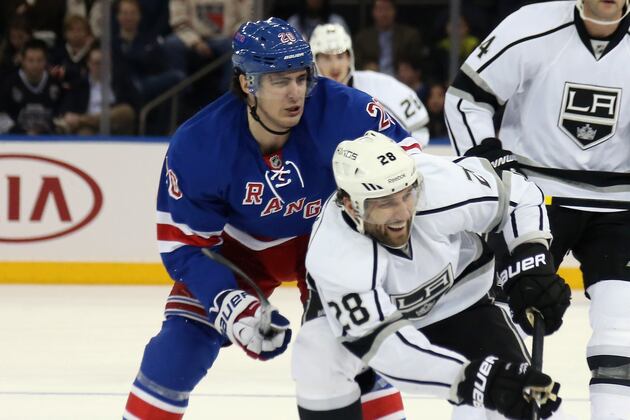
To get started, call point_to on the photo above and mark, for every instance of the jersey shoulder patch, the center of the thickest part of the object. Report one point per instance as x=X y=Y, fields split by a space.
x=526 y=24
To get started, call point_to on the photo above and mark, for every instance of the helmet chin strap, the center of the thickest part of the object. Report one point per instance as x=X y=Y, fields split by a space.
x=580 y=7
x=254 y=114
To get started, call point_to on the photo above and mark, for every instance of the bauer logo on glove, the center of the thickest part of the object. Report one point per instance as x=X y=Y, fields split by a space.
x=521 y=266
x=530 y=281
x=227 y=309
x=238 y=316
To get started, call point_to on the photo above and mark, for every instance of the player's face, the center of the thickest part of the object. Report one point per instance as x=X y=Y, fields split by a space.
x=281 y=98
x=388 y=219
x=334 y=66
x=606 y=10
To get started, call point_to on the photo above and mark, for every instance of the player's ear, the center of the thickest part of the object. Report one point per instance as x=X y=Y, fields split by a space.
x=242 y=80
x=347 y=204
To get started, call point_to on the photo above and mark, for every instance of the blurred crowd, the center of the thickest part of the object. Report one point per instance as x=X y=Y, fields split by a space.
x=51 y=53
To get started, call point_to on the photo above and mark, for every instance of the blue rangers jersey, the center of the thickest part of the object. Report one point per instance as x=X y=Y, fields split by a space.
x=217 y=189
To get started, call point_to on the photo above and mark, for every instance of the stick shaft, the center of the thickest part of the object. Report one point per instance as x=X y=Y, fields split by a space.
x=265 y=306
x=537 y=352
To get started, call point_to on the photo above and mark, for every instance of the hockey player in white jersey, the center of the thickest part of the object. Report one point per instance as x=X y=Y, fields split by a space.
x=334 y=56
x=399 y=276
x=561 y=70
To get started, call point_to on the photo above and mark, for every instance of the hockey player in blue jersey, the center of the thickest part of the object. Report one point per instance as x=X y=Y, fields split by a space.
x=246 y=177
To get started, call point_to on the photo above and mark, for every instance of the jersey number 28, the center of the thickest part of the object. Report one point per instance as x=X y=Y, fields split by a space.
x=353 y=306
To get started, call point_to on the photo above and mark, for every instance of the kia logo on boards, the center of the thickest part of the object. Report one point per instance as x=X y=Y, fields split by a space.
x=43 y=198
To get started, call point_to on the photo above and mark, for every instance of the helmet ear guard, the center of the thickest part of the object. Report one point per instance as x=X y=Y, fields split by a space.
x=369 y=167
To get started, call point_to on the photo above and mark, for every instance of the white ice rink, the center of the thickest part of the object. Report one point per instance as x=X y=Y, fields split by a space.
x=71 y=352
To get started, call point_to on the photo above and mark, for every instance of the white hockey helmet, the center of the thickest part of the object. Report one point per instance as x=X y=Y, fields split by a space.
x=371 y=167
x=580 y=6
x=332 y=38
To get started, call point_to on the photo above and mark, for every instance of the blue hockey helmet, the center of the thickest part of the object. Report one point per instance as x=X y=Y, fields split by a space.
x=270 y=46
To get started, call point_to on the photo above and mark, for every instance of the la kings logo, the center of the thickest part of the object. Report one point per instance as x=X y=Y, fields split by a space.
x=589 y=114
x=418 y=302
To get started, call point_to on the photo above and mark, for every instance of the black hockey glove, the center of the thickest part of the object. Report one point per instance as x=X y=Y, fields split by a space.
x=500 y=159
x=530 y=281
x=508 y=388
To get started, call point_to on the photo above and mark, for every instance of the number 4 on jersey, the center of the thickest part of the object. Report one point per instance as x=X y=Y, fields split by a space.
x=485 y=46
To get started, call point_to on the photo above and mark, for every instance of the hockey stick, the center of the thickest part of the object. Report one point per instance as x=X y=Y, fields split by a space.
x=265 y=306
x=538 y=340
x=586 y=202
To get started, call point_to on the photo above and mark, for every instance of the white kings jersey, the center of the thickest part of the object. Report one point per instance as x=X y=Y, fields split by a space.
x=399 y=100
x=567 y=102
x=376 y=297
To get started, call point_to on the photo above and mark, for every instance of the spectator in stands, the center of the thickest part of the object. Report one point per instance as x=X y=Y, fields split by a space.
x=45 y=16
x=155 y=18
x=313 y=13
x=435 y=107
x=140 y=54
x=409 y=71
x=82 y=105
x=92 y=10
x=203 y=29
x=442 y=52
x=381 y=46
x=30 y=98
x=70 y=59
x=18 y=33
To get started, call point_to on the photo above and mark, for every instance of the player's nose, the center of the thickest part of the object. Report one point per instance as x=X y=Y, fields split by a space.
x=402 y=210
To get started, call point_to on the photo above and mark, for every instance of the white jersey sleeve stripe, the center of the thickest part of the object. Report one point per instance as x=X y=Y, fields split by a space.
x=164 y=218
x=415 y=381
x=251 y=242
x=513 y=223
x=427 y=351
x=456 y=205
x=469 y=86
x=452 y=135
x=379 y=309
x=527 y=221
x=381 y=317
x=465 y=121
x=519 y=41
x=413 y=364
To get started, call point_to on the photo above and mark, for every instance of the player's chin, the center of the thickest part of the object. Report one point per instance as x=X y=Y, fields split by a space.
x=293 y=118
x=396 y=238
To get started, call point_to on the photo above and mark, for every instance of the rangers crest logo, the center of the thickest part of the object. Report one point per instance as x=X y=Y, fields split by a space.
x=589 y=114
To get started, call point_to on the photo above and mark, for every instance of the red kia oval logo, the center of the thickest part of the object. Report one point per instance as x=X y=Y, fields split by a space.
x=43 y=198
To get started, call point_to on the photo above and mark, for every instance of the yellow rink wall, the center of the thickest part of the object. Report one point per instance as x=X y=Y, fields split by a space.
x=126 y=273
x=82 y=211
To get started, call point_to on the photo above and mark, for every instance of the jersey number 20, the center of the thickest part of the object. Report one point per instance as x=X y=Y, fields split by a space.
x=374 y=109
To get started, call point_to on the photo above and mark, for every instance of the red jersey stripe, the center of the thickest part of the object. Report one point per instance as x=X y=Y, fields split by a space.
x=172 y=233
x=411 y=146
x=382 y=406
x=143 y=410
